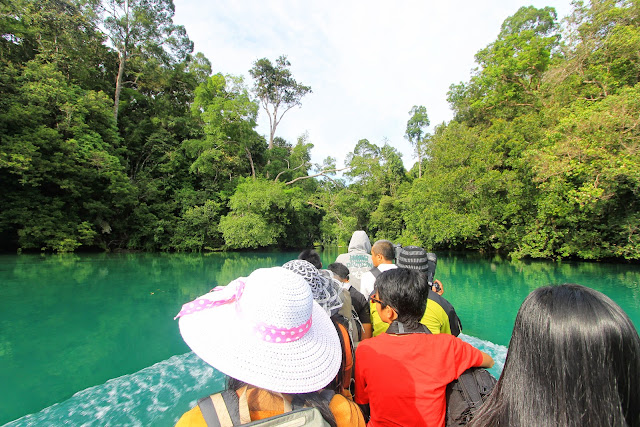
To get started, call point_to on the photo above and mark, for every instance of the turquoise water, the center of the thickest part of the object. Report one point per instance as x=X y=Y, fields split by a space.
x=91 y=340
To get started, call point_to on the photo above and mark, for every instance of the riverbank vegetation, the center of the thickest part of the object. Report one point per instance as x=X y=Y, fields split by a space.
x=115 y=135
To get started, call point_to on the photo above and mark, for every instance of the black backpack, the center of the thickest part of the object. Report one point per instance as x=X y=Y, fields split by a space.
x=467 y=394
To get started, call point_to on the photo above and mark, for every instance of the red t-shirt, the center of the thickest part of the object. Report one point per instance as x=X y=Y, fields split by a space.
x=403 y=377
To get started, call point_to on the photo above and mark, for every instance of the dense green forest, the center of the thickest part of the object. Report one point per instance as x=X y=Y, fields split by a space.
x=115 y=135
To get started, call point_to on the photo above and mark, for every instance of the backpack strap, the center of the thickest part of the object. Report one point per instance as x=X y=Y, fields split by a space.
x=454 y=321
x=398 y=328
x=225 y=409
x=376 y=272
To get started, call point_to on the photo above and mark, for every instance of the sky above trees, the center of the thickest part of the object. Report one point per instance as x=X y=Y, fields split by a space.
x=367 y=62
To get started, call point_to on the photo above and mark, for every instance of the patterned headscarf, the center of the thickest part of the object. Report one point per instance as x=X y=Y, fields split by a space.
x=326 y=292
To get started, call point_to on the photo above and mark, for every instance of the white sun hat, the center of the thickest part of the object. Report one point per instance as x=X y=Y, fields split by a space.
x=265 y=330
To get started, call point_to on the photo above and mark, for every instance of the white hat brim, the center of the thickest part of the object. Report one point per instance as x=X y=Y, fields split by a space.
x=302 y=366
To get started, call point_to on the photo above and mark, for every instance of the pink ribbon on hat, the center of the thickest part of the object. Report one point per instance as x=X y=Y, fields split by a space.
x=200 y=304
x=268 y=333
x=274 y=334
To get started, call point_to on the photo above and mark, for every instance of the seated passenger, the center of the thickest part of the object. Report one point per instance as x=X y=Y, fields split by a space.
x=382 y=256
x=359 y=303
x=402 y=375
x=573 y=360
x=265 y=331
x=439 y=316
x=358 y=257
x=327 y=292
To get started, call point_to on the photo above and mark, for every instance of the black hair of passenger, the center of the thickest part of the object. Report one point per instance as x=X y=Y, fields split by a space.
x=313 y=399
x=573 y=360
x=311 y=256
x=406 y=291
x=384 y=248
x=339 y=270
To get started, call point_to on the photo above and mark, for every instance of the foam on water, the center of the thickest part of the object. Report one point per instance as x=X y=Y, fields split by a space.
x=498 y=352
x=157 y=395
x=160 y=394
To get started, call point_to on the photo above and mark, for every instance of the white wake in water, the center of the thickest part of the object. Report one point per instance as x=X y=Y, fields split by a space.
x=160 y=394
x=157 y=395
x=498 y=352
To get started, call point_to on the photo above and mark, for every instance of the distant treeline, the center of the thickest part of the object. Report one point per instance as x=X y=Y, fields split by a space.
x=114 y=135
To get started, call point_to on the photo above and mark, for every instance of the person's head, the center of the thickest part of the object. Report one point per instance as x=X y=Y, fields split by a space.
x=416 y=258
x=326 y=291
x=382 y=252
x=573 y=359
x=340 y=270
x=265 y=330
x=360 y=242
x=312 y=256
x=401 y=295
x=413 y=258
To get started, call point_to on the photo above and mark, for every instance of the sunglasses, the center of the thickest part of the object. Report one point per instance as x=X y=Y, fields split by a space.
x=374 y=300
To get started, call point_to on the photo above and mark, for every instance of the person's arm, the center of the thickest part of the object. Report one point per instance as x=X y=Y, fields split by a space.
x=487 y=361
x=368 y=331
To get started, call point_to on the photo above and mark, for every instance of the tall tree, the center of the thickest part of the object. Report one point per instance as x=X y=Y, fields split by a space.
x=277 y=90
x=416 y=131
x=143 y=29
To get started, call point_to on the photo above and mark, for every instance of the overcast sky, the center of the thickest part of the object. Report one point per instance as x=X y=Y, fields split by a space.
x=367 y=62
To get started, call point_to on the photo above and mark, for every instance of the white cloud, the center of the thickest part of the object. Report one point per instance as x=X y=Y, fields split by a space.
x=368 y=62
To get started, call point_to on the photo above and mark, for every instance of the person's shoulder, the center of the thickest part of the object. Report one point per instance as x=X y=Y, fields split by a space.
x=356 y=296
x=373 y=342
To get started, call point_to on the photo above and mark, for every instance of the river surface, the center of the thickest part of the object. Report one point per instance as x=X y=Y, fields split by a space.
x=90 y=339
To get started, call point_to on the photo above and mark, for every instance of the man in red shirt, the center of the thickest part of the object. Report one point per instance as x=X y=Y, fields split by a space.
x=402 y=375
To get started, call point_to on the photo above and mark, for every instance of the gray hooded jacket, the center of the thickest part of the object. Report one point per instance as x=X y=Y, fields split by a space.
x=358 y=259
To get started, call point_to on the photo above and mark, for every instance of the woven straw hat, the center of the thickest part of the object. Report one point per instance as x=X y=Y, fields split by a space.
x=265 y=330
x=412 y=257
x=325 y=291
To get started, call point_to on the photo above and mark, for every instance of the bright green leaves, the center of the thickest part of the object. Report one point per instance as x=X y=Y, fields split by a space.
x=510 y=69
x=59 y=162
x=265 y=213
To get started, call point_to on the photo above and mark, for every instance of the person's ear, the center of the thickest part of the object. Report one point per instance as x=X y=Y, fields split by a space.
x=392 y=315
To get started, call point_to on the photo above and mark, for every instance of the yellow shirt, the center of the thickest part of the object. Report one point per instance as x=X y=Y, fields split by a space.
x=434 y=318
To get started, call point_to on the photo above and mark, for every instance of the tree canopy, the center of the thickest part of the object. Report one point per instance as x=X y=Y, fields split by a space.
x=114 y=135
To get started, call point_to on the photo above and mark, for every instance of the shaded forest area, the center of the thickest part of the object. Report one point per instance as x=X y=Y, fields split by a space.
x=114 y=135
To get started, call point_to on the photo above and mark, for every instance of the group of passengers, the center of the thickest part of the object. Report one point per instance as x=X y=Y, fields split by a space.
x=285 y=336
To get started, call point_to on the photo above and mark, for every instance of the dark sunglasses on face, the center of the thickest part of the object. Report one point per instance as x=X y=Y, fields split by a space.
x=375 y=299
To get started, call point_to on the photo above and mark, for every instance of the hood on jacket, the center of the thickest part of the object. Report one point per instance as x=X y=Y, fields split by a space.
x=360 y=242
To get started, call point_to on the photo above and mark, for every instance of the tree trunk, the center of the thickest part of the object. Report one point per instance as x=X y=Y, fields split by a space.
x=116 y=99
x=253 y=170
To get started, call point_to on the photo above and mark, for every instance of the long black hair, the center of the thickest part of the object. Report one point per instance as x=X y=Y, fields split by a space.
x=573 y=360
x=313 y=399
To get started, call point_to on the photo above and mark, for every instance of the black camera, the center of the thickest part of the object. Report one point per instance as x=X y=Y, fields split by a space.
x=432 y=260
